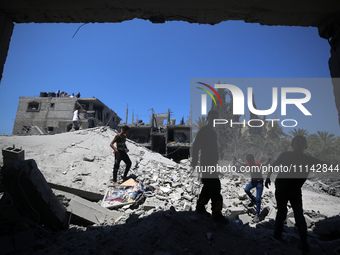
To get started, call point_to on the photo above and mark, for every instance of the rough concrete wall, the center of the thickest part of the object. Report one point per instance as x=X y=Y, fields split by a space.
x=330 y=30
x=334 y=67
x=47 y=116
x=6 y=30
x=268 y=12
x=59 y=116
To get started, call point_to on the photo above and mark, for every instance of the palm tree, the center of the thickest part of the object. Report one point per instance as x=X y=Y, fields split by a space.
x=298 y=132
x=323 y=139
x=200 y=122
x=239 y=142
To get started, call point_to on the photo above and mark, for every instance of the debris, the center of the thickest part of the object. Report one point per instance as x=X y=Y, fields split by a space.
x=88 y=158
x=245 y=218
x=234 y=212
x=88 y=210
x=120 y=195
x=29 y=189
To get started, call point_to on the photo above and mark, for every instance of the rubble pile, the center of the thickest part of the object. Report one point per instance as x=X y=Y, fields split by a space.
x=161 y=219
x=329 y=186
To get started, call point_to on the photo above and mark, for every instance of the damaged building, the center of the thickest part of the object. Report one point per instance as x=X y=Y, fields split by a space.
x=162 y=135
x=49 y=114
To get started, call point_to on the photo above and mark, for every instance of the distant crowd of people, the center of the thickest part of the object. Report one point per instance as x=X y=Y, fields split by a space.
x=64 y=94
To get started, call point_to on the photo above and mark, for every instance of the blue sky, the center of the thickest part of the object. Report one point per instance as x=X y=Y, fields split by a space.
x=149 y=65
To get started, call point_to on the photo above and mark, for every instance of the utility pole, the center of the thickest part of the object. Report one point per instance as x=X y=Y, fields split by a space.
x=127 y=111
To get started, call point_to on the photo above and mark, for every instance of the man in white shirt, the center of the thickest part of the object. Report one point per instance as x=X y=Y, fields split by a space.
x=76 y=119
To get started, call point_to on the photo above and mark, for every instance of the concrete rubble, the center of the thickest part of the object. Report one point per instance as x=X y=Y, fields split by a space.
x=168 y=192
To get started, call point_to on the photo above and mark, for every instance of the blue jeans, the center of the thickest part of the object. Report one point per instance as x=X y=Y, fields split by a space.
x=259 y=189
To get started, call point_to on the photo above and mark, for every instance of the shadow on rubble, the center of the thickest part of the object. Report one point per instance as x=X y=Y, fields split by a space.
x=33 y=221
x=162 y=232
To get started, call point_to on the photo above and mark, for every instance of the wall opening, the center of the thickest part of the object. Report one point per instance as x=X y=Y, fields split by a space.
x=33 y=106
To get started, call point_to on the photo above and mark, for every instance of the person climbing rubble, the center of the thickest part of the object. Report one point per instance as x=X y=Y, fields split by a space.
x=288 y=187
x=120 y=153
x=206 y=144
x=255 y=182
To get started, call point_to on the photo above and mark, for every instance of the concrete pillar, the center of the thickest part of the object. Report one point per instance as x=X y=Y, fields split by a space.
x=330 y=30
x=6 y=30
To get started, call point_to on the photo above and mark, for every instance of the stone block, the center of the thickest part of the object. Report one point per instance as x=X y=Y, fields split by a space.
x=11 y=154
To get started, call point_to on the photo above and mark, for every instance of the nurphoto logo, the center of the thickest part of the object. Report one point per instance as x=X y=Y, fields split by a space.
x=239 y=103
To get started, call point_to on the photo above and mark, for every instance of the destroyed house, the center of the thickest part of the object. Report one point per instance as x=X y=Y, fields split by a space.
x=162 y=135
x=49 y=114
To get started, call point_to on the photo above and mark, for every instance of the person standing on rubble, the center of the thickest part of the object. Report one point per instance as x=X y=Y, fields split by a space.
x=76 y=119
x=256 y=182
x=288 y=186
x=206 y=144
x=120 y=153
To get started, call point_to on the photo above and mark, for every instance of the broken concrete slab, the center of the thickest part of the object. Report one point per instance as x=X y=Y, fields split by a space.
x=88 y=210
x=29 y=189
x=151 y=203
x=92 y=196
x=234 y=212
x=245 y=218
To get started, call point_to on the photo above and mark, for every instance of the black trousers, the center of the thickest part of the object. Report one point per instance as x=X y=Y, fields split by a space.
x=125 y=157
x=211 y=190
x=295 y=197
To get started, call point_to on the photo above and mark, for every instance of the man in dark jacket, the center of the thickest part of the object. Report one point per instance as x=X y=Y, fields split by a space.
x=206 y=143
x=288 y=187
